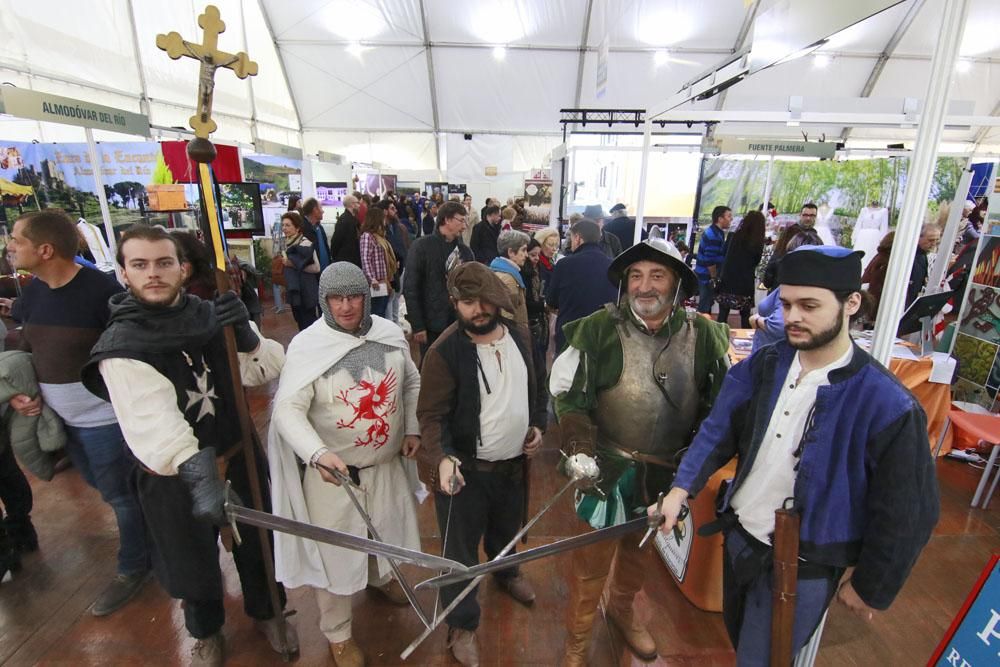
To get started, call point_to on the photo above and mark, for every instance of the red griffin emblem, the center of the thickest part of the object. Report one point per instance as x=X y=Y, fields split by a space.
x=372 y=406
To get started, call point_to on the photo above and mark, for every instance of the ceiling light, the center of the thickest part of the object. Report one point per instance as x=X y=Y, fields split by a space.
x=355 y=49
x=660 y=57
x=499 y=52
x=963 y=66
x=821 y=61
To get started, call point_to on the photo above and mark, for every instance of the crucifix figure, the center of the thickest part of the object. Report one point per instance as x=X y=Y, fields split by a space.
x=211 y=58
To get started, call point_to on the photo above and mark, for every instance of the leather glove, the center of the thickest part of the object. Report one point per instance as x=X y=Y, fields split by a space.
x=230 y=310
x=208 y=493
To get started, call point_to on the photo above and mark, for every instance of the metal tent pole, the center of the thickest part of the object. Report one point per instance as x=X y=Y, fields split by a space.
x=640 y=207
x=950 y=231
x=102 y=197
x=919 y=177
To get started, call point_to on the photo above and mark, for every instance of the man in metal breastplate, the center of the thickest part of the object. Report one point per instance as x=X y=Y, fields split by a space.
x=631 y=387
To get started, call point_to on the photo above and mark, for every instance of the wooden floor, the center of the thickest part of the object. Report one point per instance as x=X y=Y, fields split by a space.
x=44 y=618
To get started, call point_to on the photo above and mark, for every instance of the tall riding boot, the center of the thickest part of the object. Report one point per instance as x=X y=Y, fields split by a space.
x=590 y=570
x=627 y=577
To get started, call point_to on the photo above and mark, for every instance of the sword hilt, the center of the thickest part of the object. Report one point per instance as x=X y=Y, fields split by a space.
x=227 y=510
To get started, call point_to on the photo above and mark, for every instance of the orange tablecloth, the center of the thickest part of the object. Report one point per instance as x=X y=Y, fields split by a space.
x=914 y=374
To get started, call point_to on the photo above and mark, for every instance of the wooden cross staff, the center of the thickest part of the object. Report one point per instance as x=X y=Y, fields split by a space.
x=201 y=150
x=211 y=58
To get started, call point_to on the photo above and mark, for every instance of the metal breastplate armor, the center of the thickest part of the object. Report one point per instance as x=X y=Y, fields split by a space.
x=653 y=406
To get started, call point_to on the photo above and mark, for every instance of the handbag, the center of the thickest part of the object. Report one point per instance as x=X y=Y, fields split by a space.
x=278 y=271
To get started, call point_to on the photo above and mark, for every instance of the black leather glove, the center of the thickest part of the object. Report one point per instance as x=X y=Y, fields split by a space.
x=208 y=493
x=230 y=310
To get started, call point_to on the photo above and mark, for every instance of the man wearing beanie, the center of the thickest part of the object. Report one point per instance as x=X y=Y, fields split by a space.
x=347 y=401
x=635 y=379
x=162 y=364
x=816 y=421
x=480 y=421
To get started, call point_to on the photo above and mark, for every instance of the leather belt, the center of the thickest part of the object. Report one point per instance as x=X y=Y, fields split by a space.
x=482 y=465
x=637 y=456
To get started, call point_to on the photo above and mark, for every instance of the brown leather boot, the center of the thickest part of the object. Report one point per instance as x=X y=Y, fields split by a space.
x=464 y=646
x=588 y=572
x=347 y=654
x=627 y=577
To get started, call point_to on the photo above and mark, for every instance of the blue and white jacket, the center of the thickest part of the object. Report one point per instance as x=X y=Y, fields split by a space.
x=866 y=485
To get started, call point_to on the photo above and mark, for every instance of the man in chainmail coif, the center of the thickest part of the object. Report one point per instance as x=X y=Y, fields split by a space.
x=346 y=401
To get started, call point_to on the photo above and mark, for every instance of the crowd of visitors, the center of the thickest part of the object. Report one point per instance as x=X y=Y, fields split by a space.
x=427 y=331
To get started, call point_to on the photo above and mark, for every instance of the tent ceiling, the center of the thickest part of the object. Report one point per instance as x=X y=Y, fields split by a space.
x=329 y=66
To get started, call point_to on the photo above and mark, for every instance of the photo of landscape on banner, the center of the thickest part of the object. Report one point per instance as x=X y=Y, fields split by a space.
x=34 y=176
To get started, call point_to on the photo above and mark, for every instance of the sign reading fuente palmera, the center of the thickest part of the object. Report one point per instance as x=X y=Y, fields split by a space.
x=735 y=146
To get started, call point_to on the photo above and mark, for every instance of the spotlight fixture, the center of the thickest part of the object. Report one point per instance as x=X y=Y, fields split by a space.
x=660 y=58
x=499 y=52
x=821 y=61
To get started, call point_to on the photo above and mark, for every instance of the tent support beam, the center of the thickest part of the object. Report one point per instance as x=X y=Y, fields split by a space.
x=583 y=52
x=431 y=85
x=281 y=61
x=253 y=101
x=740 y=42
x=918 y=179
x=144 y=99
x=887 y=52
x=985 y=130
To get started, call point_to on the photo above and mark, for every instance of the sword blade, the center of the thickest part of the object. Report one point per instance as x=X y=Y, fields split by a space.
x=339 y=539
x=408 y=591
x=543 y=551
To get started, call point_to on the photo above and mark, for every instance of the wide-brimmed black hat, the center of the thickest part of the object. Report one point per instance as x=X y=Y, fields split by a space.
x=661 y=252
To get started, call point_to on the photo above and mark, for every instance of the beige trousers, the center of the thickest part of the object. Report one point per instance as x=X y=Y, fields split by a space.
x=335 y=610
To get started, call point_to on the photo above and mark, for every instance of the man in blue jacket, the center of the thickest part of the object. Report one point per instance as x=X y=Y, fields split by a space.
x=579 y=285
x=711 y=254
x=816 y=421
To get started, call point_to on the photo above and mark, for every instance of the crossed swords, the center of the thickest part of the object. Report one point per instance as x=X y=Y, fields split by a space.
x=583 y=474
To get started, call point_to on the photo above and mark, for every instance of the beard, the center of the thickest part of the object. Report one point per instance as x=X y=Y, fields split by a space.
x=824 y=337
x=483 y=325
x=161 y=299
x=655 y=309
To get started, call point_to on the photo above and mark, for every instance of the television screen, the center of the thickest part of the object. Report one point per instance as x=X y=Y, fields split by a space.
x=241 y=207
x=331 y=193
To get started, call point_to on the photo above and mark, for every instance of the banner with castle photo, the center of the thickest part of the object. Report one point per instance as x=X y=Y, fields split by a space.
x=34 y=176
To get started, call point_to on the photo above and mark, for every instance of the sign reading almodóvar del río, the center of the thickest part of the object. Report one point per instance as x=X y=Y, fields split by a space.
x=55 y=109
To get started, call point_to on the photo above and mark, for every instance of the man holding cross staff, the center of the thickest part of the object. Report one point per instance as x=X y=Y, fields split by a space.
x=173 y=367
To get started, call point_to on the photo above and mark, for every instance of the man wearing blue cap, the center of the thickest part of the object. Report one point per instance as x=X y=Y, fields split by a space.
x=814 y=419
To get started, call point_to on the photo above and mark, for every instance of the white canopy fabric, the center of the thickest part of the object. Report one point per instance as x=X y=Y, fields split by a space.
x=381 y=79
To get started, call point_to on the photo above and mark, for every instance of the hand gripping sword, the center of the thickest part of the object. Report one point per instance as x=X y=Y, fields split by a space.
x=583 y=472
x=238 y=513
x=349 y=486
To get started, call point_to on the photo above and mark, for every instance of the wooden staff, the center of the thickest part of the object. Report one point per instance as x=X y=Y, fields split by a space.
x=785 y=582
x=203 y=152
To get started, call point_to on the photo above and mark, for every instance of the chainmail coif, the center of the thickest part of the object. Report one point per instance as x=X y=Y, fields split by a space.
x=345 y=279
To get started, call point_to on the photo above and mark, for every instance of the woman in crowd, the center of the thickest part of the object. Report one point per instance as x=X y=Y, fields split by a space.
x=770 y=279
x=294 y=203
x=378 y=260
x=538 y=321
x=769 y=322
x=739 y=280
x=513 y=248
x=507 y=218
x=201 y=275
x=877 y=268
x=301 y=270
x=548 y=241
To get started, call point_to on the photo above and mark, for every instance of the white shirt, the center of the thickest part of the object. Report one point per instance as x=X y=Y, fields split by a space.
x=772 y=478
x=503 y=400
x=145 y=402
